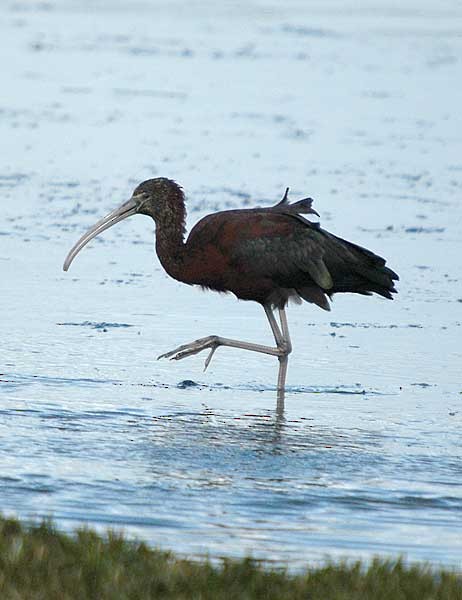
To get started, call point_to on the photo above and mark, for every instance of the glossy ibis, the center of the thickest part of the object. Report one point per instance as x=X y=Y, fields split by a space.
x=268 y=255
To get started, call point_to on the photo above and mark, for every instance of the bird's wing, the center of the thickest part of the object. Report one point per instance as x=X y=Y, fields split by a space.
x=277 y=246
x=266 y=242
x=270 y=246
x=280 y=246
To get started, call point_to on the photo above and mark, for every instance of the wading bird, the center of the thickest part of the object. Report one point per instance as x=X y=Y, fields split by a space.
x=268 y=255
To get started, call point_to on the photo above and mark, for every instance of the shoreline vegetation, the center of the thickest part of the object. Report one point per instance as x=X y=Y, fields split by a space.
x=39 y=562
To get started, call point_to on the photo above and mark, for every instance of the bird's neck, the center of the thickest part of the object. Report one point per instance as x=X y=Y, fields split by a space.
x=170 y=233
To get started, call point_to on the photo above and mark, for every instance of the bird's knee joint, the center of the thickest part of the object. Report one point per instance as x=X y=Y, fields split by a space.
x=286 y=348
x=210 y=339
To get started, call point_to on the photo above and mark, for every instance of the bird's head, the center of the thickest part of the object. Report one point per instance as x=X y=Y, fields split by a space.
x=148 y=198
x=151 y=195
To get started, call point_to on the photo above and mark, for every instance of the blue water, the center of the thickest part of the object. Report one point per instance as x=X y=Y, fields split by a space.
x=359 y=109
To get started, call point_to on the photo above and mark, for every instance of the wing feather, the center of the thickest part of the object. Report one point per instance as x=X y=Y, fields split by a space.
x=278 y=248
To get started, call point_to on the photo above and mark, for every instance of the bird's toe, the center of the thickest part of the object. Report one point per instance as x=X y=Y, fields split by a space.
x=195 y=347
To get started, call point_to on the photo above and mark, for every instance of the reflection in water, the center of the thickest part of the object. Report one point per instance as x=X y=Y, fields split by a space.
x=280 y=403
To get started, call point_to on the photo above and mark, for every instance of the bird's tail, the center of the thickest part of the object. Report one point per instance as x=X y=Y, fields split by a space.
x=361 y=271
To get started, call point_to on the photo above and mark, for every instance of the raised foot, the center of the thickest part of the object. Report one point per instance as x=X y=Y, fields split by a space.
x=210 y=342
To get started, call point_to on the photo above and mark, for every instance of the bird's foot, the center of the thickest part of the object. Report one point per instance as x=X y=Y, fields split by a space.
x=210 y=342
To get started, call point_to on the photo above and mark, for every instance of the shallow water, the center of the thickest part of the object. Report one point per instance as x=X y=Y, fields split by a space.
x=358 y=108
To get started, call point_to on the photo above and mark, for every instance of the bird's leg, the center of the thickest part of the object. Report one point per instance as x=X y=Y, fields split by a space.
x=212 y=342
x=274 y=325
x=287 y=347
x=283 y=343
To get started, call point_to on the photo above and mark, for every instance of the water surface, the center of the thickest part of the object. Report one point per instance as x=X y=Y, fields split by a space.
x=358 y=108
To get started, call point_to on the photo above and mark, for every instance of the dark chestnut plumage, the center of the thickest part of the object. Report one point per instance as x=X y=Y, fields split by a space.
x=268 y=255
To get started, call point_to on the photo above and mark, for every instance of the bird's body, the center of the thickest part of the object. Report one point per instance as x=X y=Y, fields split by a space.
x=267 y=255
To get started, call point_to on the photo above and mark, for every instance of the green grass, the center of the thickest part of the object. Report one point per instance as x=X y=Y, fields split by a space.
x=37 y=562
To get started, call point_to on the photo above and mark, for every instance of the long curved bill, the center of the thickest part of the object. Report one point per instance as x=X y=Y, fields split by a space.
x=125 y=210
